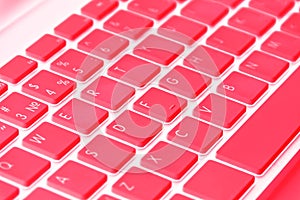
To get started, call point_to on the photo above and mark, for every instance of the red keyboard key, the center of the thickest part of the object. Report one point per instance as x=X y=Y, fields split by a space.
x=108 y=93
x=105 y=196
x=73 y=26
x=77 y=65
x=134 y=128
x=7 y=135
x=195 y=135
x=156 y=9
x=208 y=60
x=231 y=3
x=242 y=88
x=17 y=69
x=3 y=88
x=182 y=30
x=206 y=11
x=24 y=113
x=134 y=70
x=264 y=66
x=250 y=147
x=55 y=89
x=179 y=197
x=277 y=8
x=220 y=111
x=128 y=24
x=106 y=154
x=160 y=104
x=41 y=193
x=8 y=191
x=231 y=40
x=103 y=44
x=286 y=183
x=51 y=140
x=80 y=116
x=98 y=9
x=45 y=47
x=252 y=21
x=134 y=184
x=22 y=167
x=185 y=82
x=292 y=25
x=77 y=180
x=158 y=49
x=169 y=160
x=218 y=181
x=283 y=45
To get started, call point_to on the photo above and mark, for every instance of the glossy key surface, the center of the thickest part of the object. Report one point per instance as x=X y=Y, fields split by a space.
x=205 y=11
x=100 y=8
x=160 y=104
x=17 y=69
x=51 y=140
x=218 y=181
x=134 y=128
x=283 y=45
x=77 y=180
x=41 y=193
x=134 y=70
x=156 y=9
x=195 y=135
x=45 y=47
x=182 y=30
x=180 y=197
x=231 y=40
x=208 y=60
x=8 y=191
x=276 y=8
x=80 y=116
x=22 y=167
x=231 y=3
x=73 y=26
x=7 y=134
x=132 y=185
x=77 y=65
x=169 y=160
x=278 y=116
x=158 y=49
x=106 y=153
x=103 y=44
x=26 y=112
x=128 y=24
x=292 y=25
x=3 y=88
x=264 y=66
x=220 y=111
x=242 y=88
x=55 y=89
x=108 y=93
x=185 y=82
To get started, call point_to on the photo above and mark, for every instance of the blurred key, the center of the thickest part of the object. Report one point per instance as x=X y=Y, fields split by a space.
x=292 y=25
x=128 y=24
x=3 y=88
x=22 y=167
x=231 y=3
x=24 y=113
x=17 y=69
x=231 y=40
x=77 y=180
x=218 y=181
x=76 y=64
x=205 y=11
x=45 y=47
x=105 y=196
x=264 y=66
x=277 y=8
x=158 y=49
x=51 y=140
x=98 y=9
x=134 y=184
x=282 y=45
x=54 y=90
x=73 y=26
x=134 y=128
x=179 y=197
x=7 y=134
x=8 y=191
x=41 y=193
x=156 y=9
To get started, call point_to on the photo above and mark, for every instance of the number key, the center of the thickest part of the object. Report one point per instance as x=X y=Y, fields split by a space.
x=53 y=90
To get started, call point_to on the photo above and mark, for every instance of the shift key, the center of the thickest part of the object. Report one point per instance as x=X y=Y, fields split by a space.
x=268 y=131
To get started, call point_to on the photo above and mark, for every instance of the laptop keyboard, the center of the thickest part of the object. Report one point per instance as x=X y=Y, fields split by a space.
x=164 y=100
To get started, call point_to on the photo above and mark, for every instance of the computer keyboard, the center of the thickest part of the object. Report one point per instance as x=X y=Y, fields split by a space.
x=157 y=99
